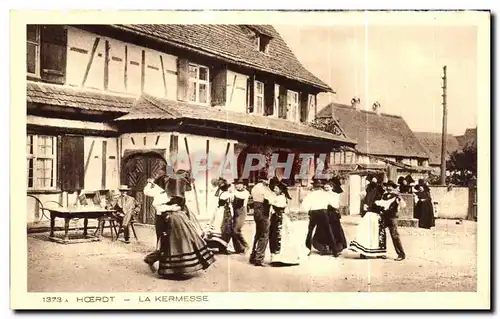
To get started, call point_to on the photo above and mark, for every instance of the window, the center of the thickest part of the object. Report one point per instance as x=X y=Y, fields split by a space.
x=198 y=84
x=292 y=106
x=41 y=161
x=263 y=44
x=33 y=50
x=259 y=98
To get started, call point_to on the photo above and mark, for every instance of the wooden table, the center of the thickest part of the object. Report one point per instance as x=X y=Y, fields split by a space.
x=68 y=213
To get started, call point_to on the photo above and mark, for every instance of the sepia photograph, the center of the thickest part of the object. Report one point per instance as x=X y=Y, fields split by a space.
x=272 y=152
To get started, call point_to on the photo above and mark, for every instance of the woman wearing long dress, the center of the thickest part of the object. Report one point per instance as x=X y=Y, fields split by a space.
x=283 y=250
x=240 y=204
x=220 y=228
x=182 y=249
x=370 y=238
x=424 y=210
x=320 y=241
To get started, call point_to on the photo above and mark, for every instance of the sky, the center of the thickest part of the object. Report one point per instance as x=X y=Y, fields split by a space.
x=398 y=66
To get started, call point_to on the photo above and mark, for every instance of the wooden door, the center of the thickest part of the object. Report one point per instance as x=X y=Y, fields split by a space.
x=136 y=170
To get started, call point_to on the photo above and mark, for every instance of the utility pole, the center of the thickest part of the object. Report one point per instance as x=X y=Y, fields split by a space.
x=443 y=137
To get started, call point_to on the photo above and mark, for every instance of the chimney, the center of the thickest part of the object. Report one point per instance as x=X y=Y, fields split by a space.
x=355 y=102
x=376 y=107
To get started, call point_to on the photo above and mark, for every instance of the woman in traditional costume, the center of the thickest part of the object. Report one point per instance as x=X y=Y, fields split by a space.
x=220 y=227
x=240 y=204
x=320 y=241
x=182 y=249
x=424 y=210
x=370 y=238
x=283 y=250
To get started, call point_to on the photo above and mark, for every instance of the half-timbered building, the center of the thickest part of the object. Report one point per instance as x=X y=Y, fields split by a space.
x=112 y=104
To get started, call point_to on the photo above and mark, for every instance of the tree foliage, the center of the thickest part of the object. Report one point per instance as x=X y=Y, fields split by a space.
x=462 y=165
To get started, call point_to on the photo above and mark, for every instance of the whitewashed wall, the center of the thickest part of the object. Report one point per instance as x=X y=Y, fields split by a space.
x=144 y=141
x=451 y=204
x=93 y=147
x=125 y=62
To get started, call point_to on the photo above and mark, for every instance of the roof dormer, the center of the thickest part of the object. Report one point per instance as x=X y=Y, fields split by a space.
x=260 y=37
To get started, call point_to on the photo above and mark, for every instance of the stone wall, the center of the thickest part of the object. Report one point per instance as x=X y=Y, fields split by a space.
x=450 y=203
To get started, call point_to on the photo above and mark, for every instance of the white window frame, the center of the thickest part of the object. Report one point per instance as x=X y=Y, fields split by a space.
x=311 y=104
x=197 y=83
x=291 y=106
x=34 y=156
x=256 y=95
x=37 y=45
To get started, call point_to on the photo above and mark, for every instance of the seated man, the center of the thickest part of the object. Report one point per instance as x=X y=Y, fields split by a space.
x=126 y=208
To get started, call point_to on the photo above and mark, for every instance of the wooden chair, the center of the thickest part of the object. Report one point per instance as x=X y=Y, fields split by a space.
x=121 y=229
x=112 y=221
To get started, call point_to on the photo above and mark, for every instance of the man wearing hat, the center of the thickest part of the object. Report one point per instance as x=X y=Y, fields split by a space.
x=261 y=214
x=316 y=203
x=390 y=202
x=126 y=207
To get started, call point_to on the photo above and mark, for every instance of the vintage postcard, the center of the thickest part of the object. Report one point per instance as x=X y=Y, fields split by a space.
x=250 y=160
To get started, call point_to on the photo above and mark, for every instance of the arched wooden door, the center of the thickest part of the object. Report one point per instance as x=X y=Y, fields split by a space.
x=136 y=170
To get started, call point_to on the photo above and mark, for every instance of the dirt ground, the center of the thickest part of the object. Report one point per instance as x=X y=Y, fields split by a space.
x=442 y=259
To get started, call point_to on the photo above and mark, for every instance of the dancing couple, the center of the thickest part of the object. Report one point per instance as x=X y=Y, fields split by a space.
x=322 y=204
x=380 y=209
x=228 y=218
x=272 y=225
x=181 y=249
x=328 y=220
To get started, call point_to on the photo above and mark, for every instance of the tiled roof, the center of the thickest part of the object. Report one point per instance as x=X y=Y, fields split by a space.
x=149 y=107
x=432 y=143
x=377 y=134
x=233 y=44
x=61 y=95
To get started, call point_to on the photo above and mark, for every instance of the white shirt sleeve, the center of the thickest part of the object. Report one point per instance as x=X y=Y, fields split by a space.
x=334 y=200
x=306 y=203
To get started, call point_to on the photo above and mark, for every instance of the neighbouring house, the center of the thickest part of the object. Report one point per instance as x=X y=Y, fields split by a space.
x=385 y=146
x=432 y=143
x=113 y=104
x=469 y=137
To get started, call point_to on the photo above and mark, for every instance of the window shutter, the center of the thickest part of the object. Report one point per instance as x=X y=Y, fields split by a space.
x=268 y=98
x=304 y=106
x=251 y=93
x=219 y=87
x=182 y=79
x=72 y=163
x=283 y=107
x=54 y=39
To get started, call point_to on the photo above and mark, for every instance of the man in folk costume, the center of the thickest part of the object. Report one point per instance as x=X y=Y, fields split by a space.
x=261 y=213
x=126 y=208
x=390 y=202
x=316 y=203
x=240 y=204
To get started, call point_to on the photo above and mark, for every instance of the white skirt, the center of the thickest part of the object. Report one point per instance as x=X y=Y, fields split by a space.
x=290 y=253
x=370 y=237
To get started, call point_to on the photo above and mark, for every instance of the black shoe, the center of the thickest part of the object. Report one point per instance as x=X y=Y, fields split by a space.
x=381 y=257
x=400 y=258
x=126 y=241
x=151 y=265
x=260 y=264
